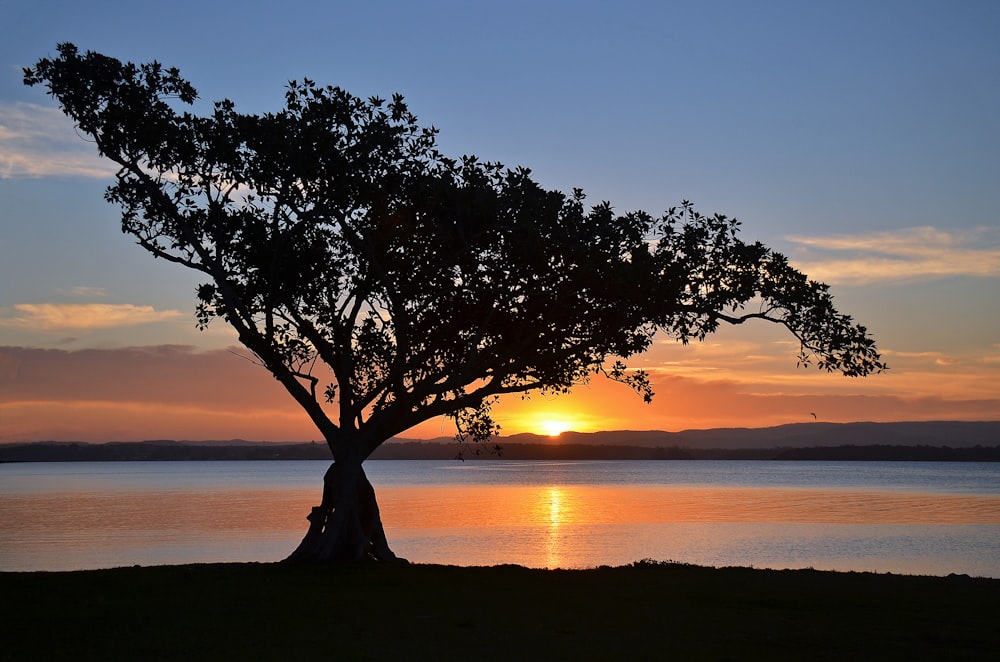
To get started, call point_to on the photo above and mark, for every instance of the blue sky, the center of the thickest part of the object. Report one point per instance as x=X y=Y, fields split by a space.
x=860 y=138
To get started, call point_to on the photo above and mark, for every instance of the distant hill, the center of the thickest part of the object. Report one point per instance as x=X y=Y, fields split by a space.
x=954 y=434
x=940 y=441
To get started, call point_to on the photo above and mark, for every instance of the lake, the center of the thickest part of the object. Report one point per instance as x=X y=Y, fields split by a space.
x=901 y=517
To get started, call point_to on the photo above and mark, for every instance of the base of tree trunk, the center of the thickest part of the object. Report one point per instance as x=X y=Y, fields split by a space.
x=346 y=526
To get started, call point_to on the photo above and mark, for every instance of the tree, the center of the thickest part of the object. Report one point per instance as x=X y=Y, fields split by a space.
x=384 y=284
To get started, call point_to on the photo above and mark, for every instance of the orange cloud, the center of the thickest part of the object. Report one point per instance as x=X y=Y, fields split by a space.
x=97 y=421
x=142 y=393
x=73 y=316
x=902 y=255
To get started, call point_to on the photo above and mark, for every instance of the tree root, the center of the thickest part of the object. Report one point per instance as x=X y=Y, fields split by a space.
x=346 y=526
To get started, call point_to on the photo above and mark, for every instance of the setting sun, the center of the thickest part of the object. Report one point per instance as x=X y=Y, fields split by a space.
x=553 y=427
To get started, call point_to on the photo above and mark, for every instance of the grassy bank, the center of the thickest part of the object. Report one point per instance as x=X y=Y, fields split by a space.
x=423 y=612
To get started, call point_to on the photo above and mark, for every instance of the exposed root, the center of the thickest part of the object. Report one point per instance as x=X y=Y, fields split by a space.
x=346 y=526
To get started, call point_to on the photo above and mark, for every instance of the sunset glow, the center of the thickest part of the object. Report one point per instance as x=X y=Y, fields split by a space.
x=170 y=392
x=553 y=427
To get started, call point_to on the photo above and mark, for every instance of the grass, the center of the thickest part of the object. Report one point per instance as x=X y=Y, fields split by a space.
x=647 y=611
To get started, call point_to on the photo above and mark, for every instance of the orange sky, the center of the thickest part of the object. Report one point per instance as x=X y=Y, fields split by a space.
x=178 y=392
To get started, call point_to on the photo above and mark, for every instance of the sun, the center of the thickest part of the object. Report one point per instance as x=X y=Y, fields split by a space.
x=553 y=427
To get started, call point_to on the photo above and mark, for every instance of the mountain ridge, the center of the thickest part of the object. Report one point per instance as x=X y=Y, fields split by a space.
x=934 y=440
x=957 y=434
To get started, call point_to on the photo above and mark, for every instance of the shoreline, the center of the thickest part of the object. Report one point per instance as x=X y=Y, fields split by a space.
x=154 y=451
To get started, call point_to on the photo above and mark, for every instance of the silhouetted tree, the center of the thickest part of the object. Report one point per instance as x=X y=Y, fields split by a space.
x=384 y=284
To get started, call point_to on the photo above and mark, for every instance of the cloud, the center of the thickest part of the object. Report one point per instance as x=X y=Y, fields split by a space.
x=54 y=316
x=903 y=255
x=39 y=141
x=84 y=292
x=149 y=392
x=177 y=374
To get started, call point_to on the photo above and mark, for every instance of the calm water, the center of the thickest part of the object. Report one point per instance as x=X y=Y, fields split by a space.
x=920 y=518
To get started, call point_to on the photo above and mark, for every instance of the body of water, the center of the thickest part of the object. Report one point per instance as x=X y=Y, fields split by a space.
x=901 y=517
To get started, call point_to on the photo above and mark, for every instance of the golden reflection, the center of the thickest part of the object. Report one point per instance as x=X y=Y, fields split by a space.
x=553 y=541
x=555 y=497
x=551 y=508
x=560 y=526
x=538 y=526
x=560 y=506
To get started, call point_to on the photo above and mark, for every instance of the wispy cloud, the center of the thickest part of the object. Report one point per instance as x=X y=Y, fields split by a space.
x=55 y=316
x=39 y=141
x=902 y=255
x=83 y=292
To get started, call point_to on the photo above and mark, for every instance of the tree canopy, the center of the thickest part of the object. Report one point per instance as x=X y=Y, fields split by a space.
x=384 y=283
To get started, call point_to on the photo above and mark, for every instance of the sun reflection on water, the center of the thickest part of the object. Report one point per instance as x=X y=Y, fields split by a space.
x=557 y=525
x=553 y=541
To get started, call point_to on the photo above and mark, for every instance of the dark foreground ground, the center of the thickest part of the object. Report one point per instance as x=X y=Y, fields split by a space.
x=421 y=612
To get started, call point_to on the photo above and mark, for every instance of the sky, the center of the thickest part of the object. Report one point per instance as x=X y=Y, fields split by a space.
x=860 y=139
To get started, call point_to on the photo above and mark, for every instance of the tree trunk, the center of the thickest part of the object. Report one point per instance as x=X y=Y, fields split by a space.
x=346 y=526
